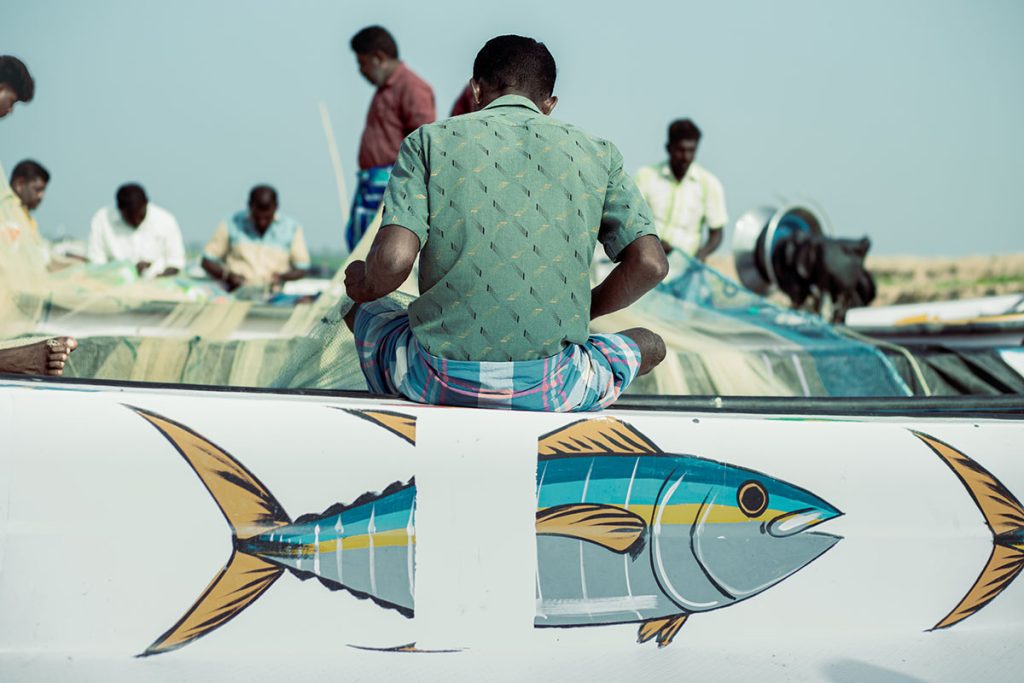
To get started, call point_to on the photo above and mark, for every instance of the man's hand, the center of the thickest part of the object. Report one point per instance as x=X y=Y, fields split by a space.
x=234 y=281
x=356 y=284
x=141 y=266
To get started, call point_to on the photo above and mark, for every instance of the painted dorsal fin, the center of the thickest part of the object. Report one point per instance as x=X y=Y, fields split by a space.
x=246 y=503
x=1004 y=516
x=242 y=580
x=609 y=526
x=396 y=423
x=603 y=435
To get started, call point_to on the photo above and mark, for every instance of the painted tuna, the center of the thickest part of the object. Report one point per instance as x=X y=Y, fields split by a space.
x=625 y=533
x=365 y=548
x=629 y=533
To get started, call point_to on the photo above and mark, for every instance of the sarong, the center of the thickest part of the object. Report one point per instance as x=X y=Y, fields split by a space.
x=582 y=377
x=369 y=194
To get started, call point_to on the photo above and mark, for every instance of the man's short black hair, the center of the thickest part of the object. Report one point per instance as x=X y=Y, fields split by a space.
x=29 y=170
x=516 y=62
x=373 y=38
x=683 y=129
x=262 y=197
x=131 y=197
x=14 y=73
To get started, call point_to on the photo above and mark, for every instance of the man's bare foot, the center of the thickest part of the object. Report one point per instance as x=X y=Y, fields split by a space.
x=41 y=358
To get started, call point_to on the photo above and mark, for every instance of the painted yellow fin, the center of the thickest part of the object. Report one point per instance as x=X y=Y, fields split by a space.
x=1004 y=516
x=396 y=423
x=242 y=580
x=1002 y=568
x=1002 y=511
x=603 y=435
x=246 y=503
x=609 y=526
x=664 y=630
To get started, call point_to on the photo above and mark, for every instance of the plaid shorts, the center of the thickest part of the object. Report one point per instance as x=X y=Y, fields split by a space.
x=582 y=377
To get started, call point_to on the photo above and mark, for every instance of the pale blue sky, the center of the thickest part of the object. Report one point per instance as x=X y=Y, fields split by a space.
x=903 y=120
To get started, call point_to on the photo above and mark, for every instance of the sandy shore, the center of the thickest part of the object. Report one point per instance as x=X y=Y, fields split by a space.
x=910 y=279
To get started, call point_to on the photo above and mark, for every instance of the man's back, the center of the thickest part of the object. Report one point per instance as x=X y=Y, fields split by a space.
x=509 y=204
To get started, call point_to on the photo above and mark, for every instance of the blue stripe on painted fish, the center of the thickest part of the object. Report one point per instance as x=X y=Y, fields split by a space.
x=365 y=548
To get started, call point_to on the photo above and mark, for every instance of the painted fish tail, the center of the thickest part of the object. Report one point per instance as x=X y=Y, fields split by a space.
x=1004 y=516
x=249 y=509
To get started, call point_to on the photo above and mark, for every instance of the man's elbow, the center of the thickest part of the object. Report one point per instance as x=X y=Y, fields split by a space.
x=653 y=264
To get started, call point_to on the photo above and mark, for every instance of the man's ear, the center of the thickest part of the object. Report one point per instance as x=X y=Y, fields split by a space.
x=548 y=105
x=474 y=87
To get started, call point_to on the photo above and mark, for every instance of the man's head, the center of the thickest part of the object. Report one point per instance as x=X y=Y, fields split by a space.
x=16 y=85
x=262 y=206
x=376 y=52
x=132 y=203
x=28 y=180
x=683 y=138
x=515 y=65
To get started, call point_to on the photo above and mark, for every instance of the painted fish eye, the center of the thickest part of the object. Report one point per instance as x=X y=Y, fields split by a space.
x=752 y=498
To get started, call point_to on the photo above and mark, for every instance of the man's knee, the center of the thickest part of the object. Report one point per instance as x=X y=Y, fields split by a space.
x=652 y=347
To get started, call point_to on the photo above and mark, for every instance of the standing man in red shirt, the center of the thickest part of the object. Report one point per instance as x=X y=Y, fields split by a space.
x=403 y=102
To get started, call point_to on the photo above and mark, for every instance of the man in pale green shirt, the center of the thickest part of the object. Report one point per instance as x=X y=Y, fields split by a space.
x=504 y=207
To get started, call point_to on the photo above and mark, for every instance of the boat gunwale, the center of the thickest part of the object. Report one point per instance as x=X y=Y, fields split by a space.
x=1007 y=407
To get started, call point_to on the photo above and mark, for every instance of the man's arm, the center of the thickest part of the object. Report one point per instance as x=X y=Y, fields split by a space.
x=714 y=240
x=213 y=259
x=417 y=107
x=174 y=248
x=389 y=262
x=641 y=267
x=298 y=259
x=96 y=253
x=714 y=215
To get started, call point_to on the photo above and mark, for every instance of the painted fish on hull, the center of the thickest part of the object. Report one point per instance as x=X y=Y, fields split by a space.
x=629 y=533
x=366 y=547
x=1004 y=517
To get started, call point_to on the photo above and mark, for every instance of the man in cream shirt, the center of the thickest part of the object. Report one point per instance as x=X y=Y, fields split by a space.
x=684 y=196
x=137 y=231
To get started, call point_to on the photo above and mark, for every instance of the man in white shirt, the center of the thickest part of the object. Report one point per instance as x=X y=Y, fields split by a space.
x=684 y=196
x=137 y=231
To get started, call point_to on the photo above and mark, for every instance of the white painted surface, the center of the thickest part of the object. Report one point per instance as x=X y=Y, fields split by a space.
x=936 y=311
x=108 y=537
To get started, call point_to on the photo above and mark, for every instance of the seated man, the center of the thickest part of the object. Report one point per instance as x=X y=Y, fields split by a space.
x=257 y=247
x=28 y=185
x=684 y=196
x=507 y=226
x=137 y=231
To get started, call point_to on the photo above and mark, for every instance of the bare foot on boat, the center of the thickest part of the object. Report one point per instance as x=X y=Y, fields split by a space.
x=42 y=358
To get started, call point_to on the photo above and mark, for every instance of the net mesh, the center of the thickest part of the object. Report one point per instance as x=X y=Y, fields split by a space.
x=722 y=338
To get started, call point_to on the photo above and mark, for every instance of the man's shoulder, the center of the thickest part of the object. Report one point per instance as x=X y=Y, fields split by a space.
x=104 y=217
x=411 y=79
x=651 y=171
x=162 y=216
x=702 y=174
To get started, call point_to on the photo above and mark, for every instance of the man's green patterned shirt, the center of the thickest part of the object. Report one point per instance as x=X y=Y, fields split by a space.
x=509 y=205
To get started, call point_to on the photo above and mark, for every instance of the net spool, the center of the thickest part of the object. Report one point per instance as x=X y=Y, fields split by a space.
x=760 y=230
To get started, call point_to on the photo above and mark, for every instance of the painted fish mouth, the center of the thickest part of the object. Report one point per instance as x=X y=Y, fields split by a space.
x=797 y=521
